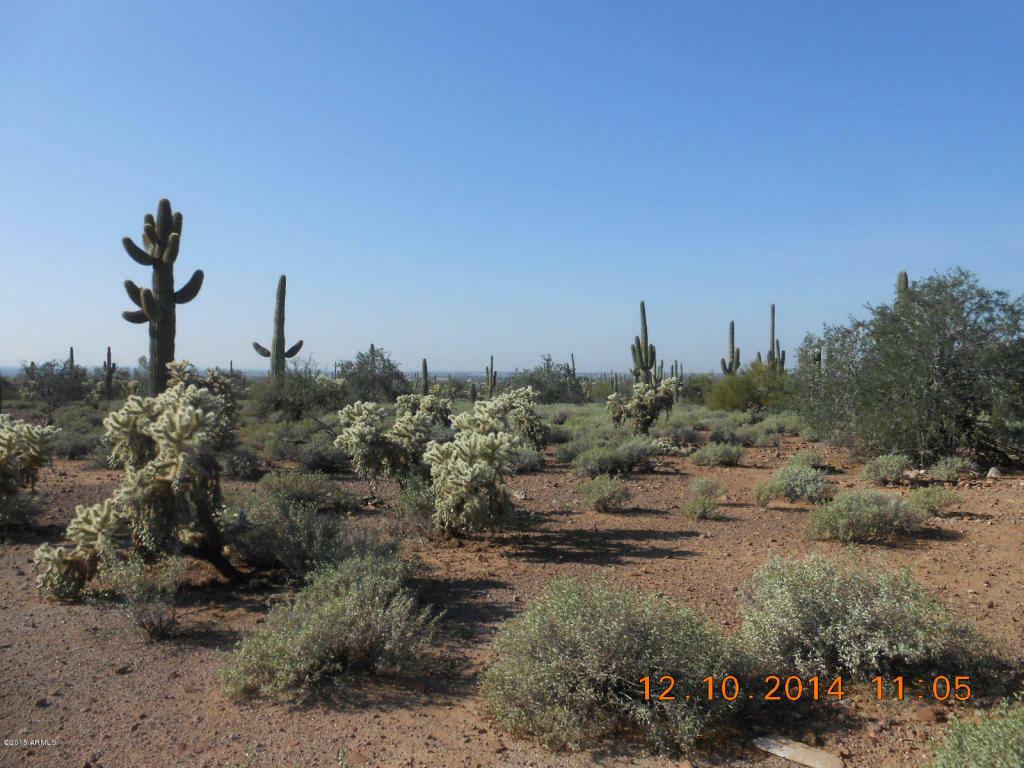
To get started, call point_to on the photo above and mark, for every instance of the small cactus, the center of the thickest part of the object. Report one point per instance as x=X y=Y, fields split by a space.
x=162 y=237
x=277 y=353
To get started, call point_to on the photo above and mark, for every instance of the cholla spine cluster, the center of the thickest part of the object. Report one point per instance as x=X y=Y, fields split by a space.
x=643 y=406
x=23 y=449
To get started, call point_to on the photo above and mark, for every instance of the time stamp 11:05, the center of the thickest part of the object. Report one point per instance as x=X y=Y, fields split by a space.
x=794 y=688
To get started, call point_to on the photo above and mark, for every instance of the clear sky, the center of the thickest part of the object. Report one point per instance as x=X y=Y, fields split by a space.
x=452 y=180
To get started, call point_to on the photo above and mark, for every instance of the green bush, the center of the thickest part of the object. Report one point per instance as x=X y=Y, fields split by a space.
x=242 y=463
x=935 y=372
x=815 y=617
x=995 y=741
x=528 y=460
x=703 y=497
x=933 y=499
x=764 y=493
x=314 y=488
x=353 y=616
x=302 y=392
x=800 y=482
x=865 y=515
x=414 y=509
x=632 y=455
x=758 y=386
x=806 y=459
x=569 y=671
x=321 y=455
x=886 y=469
x=950 y=469
x=718 y=455
x=605 y=494
x=294 y=535
x=148 y=592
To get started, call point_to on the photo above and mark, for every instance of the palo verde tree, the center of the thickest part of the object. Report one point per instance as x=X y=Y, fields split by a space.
x=162 y=238
x=938 y=371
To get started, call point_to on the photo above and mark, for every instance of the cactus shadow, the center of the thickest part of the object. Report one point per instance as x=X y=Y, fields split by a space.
x=600 y=547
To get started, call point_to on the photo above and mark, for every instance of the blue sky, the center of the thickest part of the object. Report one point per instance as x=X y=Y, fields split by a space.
x=455 y=180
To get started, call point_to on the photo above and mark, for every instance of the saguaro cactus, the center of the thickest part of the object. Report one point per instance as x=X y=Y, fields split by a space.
x=425 y=387
x=491 y=379
x=162 y=238
x=902 y=283
x=277 y=353
x=108 y=376
x=732 y=366
x=644 y=355
x=776 y=355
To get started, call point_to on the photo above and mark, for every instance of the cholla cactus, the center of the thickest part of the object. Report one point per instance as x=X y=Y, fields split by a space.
x=23 y=449
x=468 y=476
x=439 y=409
x=513 y=412
x=643 y=407
x=169 y=492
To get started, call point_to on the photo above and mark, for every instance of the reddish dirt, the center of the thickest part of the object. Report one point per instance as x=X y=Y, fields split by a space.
x=83 y=681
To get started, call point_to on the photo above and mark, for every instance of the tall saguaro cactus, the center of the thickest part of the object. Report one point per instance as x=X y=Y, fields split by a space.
x=277 y=353
x=776 y=355
x=644 y=355
x=108 y=377
x=162 y=238
x=732 y=367
x=425 y=386
x=902 y=283
x=492 y=379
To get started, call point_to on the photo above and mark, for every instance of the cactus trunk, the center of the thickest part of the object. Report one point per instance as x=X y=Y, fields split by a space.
x=425 y=387
x=277 y=353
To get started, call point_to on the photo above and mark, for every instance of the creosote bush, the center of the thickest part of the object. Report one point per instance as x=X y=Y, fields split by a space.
x=994 y=741
x=284 y=487
x=933 y=499
x=353 y=616
x=569 y=670
x=703 y=497
x=718 y=455
x=815 y=617
x=950 y=469
x=865 y=515
x=605 y=494
x=886 y=469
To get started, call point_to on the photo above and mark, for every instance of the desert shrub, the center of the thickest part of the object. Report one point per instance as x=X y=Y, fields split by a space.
x=806 y=459
x=678 y=434
x=567 y=452
x=552 y=382
x=950 y=469
x=757 y=387
x=303 y=391
x=935 y=372
x=996 y=740
x=54 y=382
x=321 y=455
x=605 y=494
x=242 y=463
x=631 y=455
x=294 y=535
x=23 y=450
x=315 y=488
x=413 y=509
x=81 y=427
x=702 y=498
x=764 y=493
x=865 y=515
x=887 y=468
x=280 y=441
x=643 y=406
x=569 y=671
x=815 y=617
x=528 y=460
x=933 y=499
x=373 y=377
x=352 y=616
x=718 y=455
x=800 y=482
x=148 y=592
x=558 y=435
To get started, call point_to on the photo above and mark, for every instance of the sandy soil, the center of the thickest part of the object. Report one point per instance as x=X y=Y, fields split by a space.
x=81 y=687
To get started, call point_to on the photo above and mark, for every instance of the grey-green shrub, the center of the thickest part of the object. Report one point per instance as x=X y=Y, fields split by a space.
x=887 y=468
x=933 y=499
x=605 y=494
x=865 y=515
x=631 y=455
x=353 y=616
x=800 y=482
x=718 y=455
x=528 y=460
x=764 y=493
x=148 y=592
x=569 y=670
x=995 y=741
x=950 y=469
x=816 y=617
x=315 y=488
x=806 y=459
x=702 y=498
